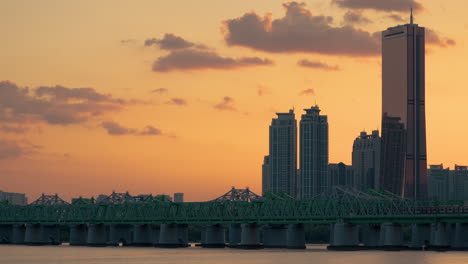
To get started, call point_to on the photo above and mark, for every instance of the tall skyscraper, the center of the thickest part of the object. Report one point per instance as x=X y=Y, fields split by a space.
x=404 y=165
x=313 y=153
x=366 y=161
x=279 y=168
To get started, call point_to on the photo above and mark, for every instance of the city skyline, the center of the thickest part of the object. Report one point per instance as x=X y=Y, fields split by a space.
x=146 y=114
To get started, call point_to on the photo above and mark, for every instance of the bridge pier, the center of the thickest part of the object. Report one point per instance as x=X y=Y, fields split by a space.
x=182 y=233
x=420 y=236
x=345 y=236
x=392 y=236
x=97 y=235
x=120 y=233
x=371 y=236
x=275 y=236
x=214 y=236
x=234 y=235
x=460 y=236
x=142 y=235
x=37 y=234
x=441 y=237
x=6 y=234
x=33 y=235
x=295 y=238
x=78 y=235
x=18 y=234
x=250 y=236
x=170 y=236
x=155 y=231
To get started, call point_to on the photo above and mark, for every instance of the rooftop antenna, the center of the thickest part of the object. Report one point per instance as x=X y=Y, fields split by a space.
x=411 y=17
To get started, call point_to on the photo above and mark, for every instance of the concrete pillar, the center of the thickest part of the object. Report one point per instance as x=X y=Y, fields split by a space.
x=441 y=237
x=169 y=237
x=420 y=236
x=142 y=235
x=51 y=234
x=18 y=234
x=345 y=237
x=371 y=236
x=250 y=236
x=6 y=234
x=295 y=237
x=234 y=235
x=392 y=236
x=460 y=236
x=275 y=236
x=214 y=236
x=155 y=231
x=78 y=235
x=97 y=235
x=120 y=233
x=202 y=237
x=182 y=234
x=33 y=235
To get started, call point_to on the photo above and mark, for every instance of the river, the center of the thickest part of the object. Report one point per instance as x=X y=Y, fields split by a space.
x=64 y=254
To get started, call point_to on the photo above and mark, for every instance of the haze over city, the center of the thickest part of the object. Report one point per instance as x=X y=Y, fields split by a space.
x=153 y=97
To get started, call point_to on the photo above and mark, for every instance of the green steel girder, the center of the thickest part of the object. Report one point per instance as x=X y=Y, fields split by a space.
x=264 y=211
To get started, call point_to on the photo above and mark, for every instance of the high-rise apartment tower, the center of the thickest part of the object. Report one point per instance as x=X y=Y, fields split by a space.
x=313 y=153
x=280 y=166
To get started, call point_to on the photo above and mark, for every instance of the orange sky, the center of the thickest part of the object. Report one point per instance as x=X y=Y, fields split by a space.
x=190 y=114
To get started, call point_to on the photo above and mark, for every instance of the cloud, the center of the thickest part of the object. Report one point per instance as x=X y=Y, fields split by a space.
x=381 y=5
x=14 y=129
x=160 y=90
x=432 y=38
x=10 y=149
x=54 y=105
x=116 y=129
x=172 y=42
x=298 y=31
x=227 y=104
x=127 y=41
x=177 y=101
x=355 y=17
x=307 y=92
x=196 y=60
x=263 y=90
x=317 y=65
x=396 y=18
x=150 y=130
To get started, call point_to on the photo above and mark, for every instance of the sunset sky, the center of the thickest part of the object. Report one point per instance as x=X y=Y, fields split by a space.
x=153 y=96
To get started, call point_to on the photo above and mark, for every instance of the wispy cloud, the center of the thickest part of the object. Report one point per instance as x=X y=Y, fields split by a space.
x=307 y=92
x=197 y=60
x=227 y=104
x=317 y=65
x=115 y=129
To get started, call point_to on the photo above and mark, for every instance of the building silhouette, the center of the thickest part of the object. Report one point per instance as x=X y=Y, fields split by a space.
x=404 y=165
x=366 y=161
x=280 y=166
x=446 y=184
x=313 y=153
x=340 y=174
x=13 y=198
x=266 y=175
x=179 y=197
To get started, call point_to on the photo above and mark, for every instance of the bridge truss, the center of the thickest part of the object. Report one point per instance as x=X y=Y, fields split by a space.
x=341 y=204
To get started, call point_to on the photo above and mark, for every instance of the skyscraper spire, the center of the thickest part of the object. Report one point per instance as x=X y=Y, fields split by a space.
x=411 y=17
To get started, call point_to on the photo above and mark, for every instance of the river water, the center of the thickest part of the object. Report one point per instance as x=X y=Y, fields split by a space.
x=64 y=254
